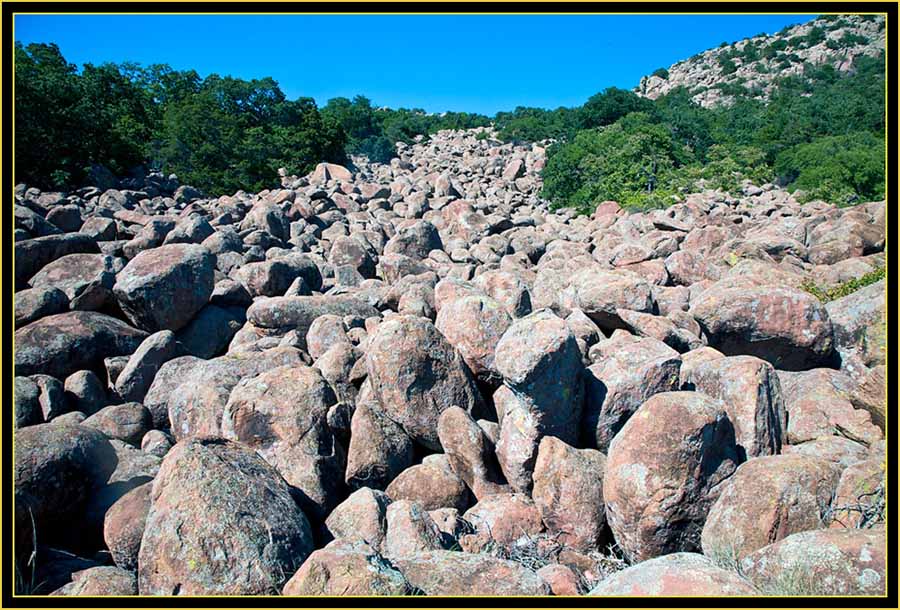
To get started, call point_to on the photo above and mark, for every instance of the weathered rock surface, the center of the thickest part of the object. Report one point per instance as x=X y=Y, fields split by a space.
x=664 y=470
x=221 y=521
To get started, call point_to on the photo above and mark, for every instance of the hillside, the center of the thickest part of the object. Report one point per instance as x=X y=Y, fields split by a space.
x=755 y=64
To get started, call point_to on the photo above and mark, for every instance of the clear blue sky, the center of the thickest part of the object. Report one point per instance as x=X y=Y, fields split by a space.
x=475 y=63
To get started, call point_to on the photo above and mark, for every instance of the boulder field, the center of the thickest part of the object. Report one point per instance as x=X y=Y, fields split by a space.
x=416 y=378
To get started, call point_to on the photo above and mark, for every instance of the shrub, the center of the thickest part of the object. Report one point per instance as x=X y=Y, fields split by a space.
x=838 y=169
x=661 y=73
x=728 y=66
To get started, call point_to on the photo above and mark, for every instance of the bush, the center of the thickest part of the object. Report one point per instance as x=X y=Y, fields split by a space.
x=661 y=73
x=728 y=66
x=631 y=161
x=839 y=169
x=829 y=294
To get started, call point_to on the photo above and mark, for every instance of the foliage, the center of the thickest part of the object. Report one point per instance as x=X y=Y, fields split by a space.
x=661 y=73
x=535 y=124
x=839 y=169
x=830 y=293
x=631 y=161
x=821 y=132
x=727 y=65
x=609 y=106
x=219 y=134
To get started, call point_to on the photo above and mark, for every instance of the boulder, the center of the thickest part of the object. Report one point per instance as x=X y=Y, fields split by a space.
x=62 y=344
x=541 y=366
x=123 y=526
x=664 y=470
x=767 y=499
x=32 y=255
x=162 y=288
x=470 y=453
x=137 y=376
x=784 y=326
x=362 y=516
x=474 y=326
x=568 y=491
x=57 y=468
x=821 y=562
x=676 y=574
x=379 y=449
x=282 y=415
x=859 y=322
x=431 y=485
x=86 y=279
x=410 y=530
x=751 y=393
x=347 y=568
x=456 y=573
x=627 y=373
x=34 y=303
x=221 y=521
x=600 y=293
x=100 y=581
x=416 y=374
x=196 y=405
x=127 y=422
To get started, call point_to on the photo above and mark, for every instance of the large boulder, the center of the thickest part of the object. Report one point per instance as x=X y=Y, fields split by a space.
x=32 y=255
x=504 y=520
x=414 y=240
x=416 y=374
x=298 y=313
x=68 y=342
x=123 y=526
x=347 y=568
x=432 y=485
x=162 y=288
x=787 y=327
x=568 y=490
x=628 y=371
x=86 y=279
x=221 y=521
x=57 y=469
x=470 y=453
x=751 y=394
x=282 y=415
x=542 y=394
x=379 y=448
x=664 y=470
x=137 y=376
x=859 y=323
x=821 y=562
x=196 y=405
x=456 y=573
x=474 y=326
x=677 y=574
x=99 y=581
x=818 y=404
x=600 y=293
x=362 y=516
x=767 y=499
x=35 y=303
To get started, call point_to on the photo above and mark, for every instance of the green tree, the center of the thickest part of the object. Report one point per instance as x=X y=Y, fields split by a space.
x=609 y=106
x=839 y=169
x=632 y=161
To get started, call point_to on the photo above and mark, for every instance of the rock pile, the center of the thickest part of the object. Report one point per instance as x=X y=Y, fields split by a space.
x=416 y=378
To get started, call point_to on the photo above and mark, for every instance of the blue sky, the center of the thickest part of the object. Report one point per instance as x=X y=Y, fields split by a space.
x=474 y=63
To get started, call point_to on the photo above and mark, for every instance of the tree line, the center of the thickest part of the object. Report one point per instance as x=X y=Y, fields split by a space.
x=820 y=131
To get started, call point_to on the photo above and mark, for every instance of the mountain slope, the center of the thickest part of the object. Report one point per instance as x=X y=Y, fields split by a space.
x=753 y=65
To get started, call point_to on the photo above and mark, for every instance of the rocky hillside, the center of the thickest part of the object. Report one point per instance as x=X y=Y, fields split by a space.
x=754 y=64
x=414 y=378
